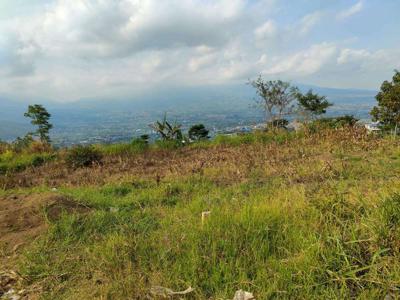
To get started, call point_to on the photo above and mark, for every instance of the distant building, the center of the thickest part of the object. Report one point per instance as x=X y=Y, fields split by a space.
x=294 y=126
x=373 y=127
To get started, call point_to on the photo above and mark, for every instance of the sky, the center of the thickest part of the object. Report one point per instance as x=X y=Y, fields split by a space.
x=63 y=50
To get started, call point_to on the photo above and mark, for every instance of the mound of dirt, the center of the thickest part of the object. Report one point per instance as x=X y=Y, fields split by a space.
x=23 y=217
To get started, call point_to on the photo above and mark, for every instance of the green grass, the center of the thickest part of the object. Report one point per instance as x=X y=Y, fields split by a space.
x=16 y=162
x=313 y=230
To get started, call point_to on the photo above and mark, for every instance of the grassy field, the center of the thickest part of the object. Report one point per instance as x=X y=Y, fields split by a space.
x=291 y=216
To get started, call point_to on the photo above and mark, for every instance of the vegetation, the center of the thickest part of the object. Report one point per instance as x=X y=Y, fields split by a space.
x=308 y=214
x=198 y=132
x=275 y=98
x=168 y=131
x=40 y=118
x=313 y=104
x=388 y=110
x=293 y=215
x=334 y=122
x=83 y=156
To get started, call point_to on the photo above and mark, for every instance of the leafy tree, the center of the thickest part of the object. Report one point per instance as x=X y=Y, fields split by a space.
x=313 y=104
x=198 y=132
x=388 y=110
x=275 y=98
x=168 y=131
x=40 y=117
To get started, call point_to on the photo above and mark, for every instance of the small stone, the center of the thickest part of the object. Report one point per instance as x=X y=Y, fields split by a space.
x=114 y=209
x=243 y=295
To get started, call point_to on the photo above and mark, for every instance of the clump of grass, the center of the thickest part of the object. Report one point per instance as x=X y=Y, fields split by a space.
x=83 y=156
x=137 y=146
x=15 y=162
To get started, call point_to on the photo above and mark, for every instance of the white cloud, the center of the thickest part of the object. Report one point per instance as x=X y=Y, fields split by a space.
x=268 y=30
x=306 y=62
x=112 y=48
x=308 y=22
x=347 y=13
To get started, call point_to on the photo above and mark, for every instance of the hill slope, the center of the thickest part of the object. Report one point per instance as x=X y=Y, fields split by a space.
x=306 y=216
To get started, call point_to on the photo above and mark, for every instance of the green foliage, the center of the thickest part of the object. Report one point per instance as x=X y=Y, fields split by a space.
x=388 y=228
x=137 y=146
x=167 y=144
x=23 y=143
x=83 y=156
x=335 y=122
x=145 y=138
x=168 y=131
x=278 y=136
x=313 y=103
x=40 y=118
x=11 y=161
x=388 y=110
x=198 y=132
x=275 y=98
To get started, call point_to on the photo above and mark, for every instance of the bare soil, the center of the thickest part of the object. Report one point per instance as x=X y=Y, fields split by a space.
x=23 y=217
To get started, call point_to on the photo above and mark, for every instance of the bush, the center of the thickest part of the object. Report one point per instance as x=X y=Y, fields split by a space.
x=39 y=147
x=333 y=123
x=279 y=123
x=15 y=162
x=83 y=156
x=22 y=143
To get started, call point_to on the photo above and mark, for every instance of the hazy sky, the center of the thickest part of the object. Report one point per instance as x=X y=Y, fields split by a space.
x=70 y=49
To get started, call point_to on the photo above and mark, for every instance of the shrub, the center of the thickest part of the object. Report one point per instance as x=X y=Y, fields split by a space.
x=83 y=156
x=22 y=143
x=39 y=147
x=335 y=122
x=198 y=132
x=278 y=123
x=3 y=147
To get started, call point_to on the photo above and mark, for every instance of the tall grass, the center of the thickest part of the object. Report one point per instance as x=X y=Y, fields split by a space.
x=295 y=216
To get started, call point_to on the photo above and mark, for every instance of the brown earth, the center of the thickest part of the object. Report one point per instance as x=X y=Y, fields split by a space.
x=23 y=217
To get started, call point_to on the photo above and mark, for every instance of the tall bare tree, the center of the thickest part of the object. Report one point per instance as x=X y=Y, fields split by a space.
x=275 y=98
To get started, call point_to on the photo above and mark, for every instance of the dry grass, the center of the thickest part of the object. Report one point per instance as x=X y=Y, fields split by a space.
x=237 y=162
x=306 y=216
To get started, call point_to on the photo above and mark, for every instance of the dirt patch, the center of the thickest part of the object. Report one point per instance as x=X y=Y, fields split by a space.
x=61 y=205
x=23 y=217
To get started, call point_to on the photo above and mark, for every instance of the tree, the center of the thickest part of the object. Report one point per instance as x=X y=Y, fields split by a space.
x=168 y=131
x=40 y=117
x=388 y=110
x=198 y=132
x=313 y=104
x=275 y=98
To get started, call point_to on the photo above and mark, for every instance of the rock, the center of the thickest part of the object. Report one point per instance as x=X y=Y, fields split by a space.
x=243 y=295
x=114 y=209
